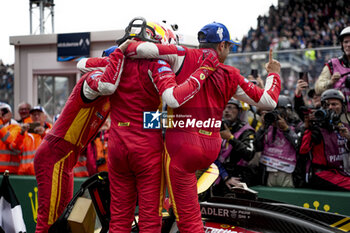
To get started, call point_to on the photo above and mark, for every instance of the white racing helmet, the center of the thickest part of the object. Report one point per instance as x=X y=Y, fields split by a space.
x=345 y=32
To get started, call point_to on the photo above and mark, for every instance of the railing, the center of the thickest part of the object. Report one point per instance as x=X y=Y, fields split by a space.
x=292 y=62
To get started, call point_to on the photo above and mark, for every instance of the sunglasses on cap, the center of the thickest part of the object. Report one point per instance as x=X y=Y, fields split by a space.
x=4 y=111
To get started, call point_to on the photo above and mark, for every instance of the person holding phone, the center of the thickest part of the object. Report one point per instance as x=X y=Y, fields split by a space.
x=255 y=78
x=303 y=85
x=298 y=97
x=304 y=76
x=39 y=125
x=30 y=138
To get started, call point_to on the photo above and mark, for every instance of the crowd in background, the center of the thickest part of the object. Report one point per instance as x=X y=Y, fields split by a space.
x=298 y=24
x=22 y=137
x=6 y=82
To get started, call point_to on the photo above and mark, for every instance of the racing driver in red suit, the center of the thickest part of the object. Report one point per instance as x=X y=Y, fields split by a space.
x=135 y=152
x=84 y=113
x=193 y=141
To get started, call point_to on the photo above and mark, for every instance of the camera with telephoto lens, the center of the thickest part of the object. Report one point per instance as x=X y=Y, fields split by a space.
x=321 y=114
x=271 y=117
x=326 y=118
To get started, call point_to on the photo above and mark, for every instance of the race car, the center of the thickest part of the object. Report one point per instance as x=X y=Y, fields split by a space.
x=242 y=212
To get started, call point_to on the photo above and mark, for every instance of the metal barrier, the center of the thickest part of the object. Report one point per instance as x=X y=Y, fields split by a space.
x=292 y=62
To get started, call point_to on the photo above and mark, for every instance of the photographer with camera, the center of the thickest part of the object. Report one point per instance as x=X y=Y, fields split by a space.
x=336 y=72
x=278 y=141
x=328 y=142
x=237 y=149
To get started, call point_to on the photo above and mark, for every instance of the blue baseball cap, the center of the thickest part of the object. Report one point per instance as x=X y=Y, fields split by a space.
x=108 y=51
x=215 y=33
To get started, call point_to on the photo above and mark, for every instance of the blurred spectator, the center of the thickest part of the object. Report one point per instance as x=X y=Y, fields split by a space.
x=23 y=111
x=94 y=158
x=7 y=114
x=284 y=43
x=27 y=144
x=328 y=143
x=80 y=168
x=9 y=129
x=97 y=150
x=39 y=115
x=336 y=72
x=237 y=149
x=6 y=83
x=256 y=80
x=278 y=141
x=298 y=97
x=302 y=109
x=30 y=138
x=310 y=54
x=299 y=103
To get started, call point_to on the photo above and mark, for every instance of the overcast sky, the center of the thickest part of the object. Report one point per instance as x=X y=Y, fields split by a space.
x=88 y=15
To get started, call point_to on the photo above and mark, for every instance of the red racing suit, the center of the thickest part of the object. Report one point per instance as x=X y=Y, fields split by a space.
x=84 y=113
x=135 y=152
x=193 y=140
